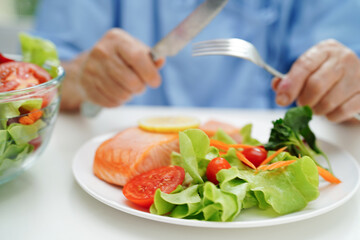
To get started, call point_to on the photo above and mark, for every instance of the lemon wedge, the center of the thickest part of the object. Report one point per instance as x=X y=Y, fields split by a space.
x=170 y=124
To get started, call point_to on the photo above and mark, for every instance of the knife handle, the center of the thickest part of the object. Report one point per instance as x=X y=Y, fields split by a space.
x=89 y=109
x=154 y=56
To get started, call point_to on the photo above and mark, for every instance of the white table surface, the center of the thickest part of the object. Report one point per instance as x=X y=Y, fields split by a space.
x=46 y=202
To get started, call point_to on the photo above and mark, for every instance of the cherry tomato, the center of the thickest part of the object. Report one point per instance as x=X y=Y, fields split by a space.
x=141 y=189
x=214 y=167
x=19 y=75
x=256 y=155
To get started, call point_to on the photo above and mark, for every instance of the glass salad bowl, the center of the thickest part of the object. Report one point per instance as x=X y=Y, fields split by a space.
x=27 y=118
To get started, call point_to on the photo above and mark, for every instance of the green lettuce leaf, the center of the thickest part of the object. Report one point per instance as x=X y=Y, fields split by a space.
x=194 y=146
x=234 y=161
x=283 y=156
x=181 y=203
x=219 y=205
x=176 y=159
x=245 y=132
x=222 y=136
x=250 y=200
x=22 y=134
x=230 y=182
x=13 y=156
x=212 y=153
x=40 y=52
x=286 y=190
x=12 y=109
x=4 y=136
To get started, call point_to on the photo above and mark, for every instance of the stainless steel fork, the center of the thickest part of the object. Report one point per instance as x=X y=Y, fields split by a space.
x=233 y=47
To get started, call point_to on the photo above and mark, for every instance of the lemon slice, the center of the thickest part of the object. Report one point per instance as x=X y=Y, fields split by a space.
x=170 y=124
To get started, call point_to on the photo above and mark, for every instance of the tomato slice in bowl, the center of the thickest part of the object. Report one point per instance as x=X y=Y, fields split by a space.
x=20 y=75
x=141 y=189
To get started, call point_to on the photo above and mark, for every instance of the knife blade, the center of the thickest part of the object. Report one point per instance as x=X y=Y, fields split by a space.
x=174 y=41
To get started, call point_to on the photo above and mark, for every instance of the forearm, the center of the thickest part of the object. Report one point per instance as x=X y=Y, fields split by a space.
x=72 y=95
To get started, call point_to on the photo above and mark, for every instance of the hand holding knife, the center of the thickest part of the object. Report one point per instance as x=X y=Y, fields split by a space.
x=172 y=43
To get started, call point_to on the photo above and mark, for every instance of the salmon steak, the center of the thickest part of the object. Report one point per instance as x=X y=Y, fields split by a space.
x=132 y=152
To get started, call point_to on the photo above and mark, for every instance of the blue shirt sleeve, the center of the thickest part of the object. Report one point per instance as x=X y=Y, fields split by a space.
x=314 y=21
x=74 y=26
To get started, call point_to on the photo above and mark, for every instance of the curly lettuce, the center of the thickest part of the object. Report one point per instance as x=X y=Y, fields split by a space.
x=284 y=190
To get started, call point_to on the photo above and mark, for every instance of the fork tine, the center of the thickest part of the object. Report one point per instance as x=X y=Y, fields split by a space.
x=221 y=52
x=238 y=43
x=210 y=42
x=232 y=47
x=241 y=51
x=195 y=54
x=212 y=47
x=204 y=48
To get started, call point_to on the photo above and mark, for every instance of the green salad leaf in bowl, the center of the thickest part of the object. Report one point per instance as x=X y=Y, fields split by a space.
x=29 y=103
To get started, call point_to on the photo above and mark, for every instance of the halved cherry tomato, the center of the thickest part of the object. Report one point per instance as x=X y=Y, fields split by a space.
x=19 y=75
x=141 y=189
x=256 y=155
x=214 y=167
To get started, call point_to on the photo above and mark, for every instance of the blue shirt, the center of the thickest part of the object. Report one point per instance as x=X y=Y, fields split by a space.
x=280 y=30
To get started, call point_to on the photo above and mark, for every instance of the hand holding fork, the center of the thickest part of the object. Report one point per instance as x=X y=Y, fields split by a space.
x=326 y=77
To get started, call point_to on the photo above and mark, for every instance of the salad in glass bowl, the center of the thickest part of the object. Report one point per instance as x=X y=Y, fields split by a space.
x=29 y=103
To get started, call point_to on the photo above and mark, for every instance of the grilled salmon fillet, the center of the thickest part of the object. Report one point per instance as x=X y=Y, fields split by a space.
x=132 y=152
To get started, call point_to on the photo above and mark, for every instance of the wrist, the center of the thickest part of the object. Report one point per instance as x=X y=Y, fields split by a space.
x=72 y=91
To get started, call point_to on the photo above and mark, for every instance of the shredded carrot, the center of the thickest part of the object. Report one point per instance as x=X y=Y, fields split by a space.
x=272 y=156
x=325 y=174
x=244 y=159
x=276 y=165
x=35 y=114
x=262 y=167
x=222 y=145
x=218 y=144
x=244 y=146
x=26 y=120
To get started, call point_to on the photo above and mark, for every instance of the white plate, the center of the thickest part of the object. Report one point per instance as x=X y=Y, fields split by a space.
x=331 y=196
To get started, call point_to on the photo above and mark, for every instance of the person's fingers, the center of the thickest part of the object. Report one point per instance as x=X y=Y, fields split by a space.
x=124 y=77
x=291 y=85
x=346 y=111
x=275 y=83
x=137 y=56
x=99 y=85
x=348 y=86
x=96 y=94
x=160 y=62
x=115 y=87
x=90 y=74
x=320 y=82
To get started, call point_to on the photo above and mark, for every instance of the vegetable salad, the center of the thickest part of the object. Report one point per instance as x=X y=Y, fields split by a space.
x=222 y=177
x=25 y=116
